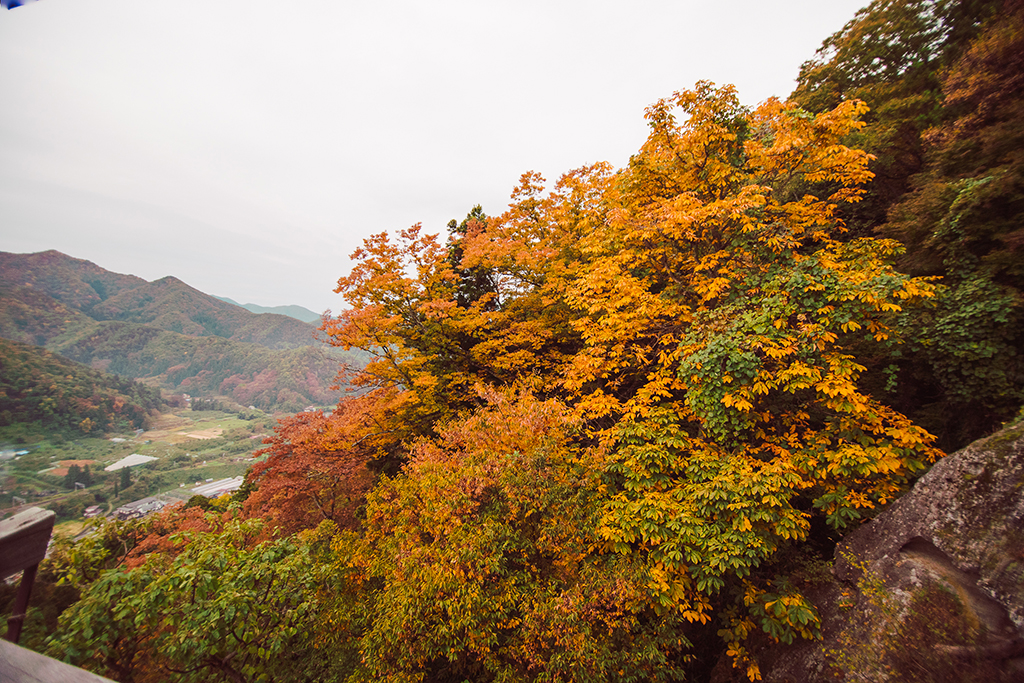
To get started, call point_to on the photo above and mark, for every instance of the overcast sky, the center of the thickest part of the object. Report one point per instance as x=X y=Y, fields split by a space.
x=248 y=146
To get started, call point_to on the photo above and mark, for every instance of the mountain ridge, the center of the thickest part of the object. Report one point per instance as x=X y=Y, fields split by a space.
x=294 y=311
x=165 y=332
x=77 y=283
x=166 y=303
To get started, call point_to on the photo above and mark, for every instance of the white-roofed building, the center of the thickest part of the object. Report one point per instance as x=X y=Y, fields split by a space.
x=131 y=461
x=219 y=487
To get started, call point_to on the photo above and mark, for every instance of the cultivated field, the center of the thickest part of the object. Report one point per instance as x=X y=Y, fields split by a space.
x=190 y=447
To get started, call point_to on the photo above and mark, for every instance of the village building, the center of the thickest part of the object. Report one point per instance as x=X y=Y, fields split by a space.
x=220 y=487
x=140 y=508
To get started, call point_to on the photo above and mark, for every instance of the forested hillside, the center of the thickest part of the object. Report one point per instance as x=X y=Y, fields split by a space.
x=167 y=304
x=32 y=317
x=613 y=431
x=183 y=339
x=43 y=391
x=74 y=282
x=250 y=374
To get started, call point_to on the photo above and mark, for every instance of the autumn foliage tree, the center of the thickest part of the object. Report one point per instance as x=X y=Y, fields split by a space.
x=962 y=220
x=437 y=318
x=891 y=55
x=594 y=430
x=314 y=470
x=483 y=563
x=406 y=316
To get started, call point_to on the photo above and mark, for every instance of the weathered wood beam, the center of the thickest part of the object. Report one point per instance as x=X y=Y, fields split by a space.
x=23 y=541
x=18 y=665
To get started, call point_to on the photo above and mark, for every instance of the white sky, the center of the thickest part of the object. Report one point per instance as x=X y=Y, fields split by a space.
x=247 y=147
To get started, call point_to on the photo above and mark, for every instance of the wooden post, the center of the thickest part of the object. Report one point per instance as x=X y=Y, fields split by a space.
x=17 y=620
x=23 y=541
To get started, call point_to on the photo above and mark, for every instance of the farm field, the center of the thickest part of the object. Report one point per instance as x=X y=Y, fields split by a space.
x=190 y=447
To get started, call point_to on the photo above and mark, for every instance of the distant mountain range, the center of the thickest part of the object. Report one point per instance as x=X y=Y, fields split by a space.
x=164 y=331
x=297 y=312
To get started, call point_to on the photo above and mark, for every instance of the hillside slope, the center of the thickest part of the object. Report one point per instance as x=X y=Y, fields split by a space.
x=76 y=283
x=170 y=304
x=165 y=331
x=167 y=303
x=43 y=389
x=30 y=316
x=250 y=374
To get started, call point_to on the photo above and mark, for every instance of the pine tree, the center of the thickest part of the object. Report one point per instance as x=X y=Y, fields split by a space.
x=74 y=475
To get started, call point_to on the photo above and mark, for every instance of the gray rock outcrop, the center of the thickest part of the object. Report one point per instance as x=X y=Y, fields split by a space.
x=930 y=590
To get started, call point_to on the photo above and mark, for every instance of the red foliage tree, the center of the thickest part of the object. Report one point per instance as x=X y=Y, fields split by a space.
x=316 y=470
x=161 y=527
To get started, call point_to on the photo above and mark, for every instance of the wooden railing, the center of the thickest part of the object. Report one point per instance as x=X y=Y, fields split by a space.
x=18 y=665
x=23 y=541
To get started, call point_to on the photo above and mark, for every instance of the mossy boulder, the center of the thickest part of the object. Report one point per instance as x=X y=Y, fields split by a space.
x=930 y=590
